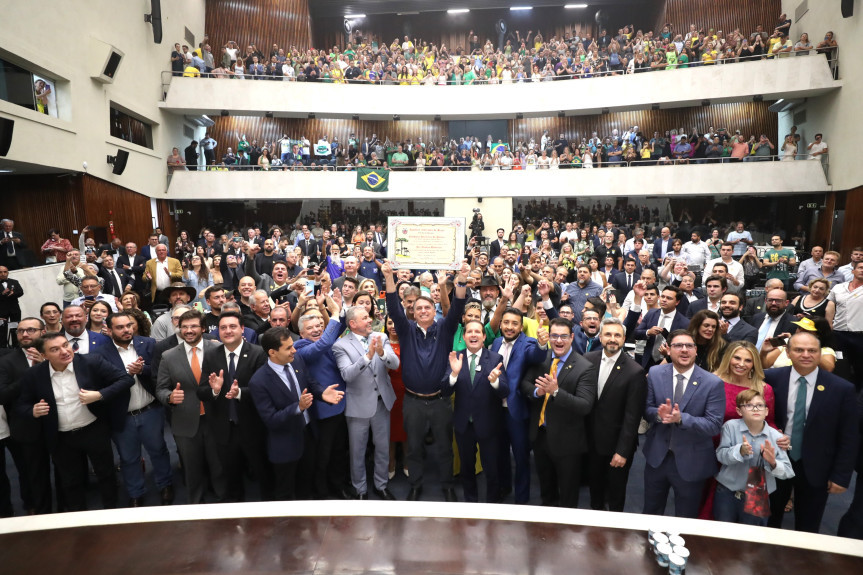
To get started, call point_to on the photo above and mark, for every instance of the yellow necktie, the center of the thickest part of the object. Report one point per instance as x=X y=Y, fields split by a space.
x=552 y=372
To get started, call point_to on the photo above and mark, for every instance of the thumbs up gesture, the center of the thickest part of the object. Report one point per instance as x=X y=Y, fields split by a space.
x=495 y=373
x=177 y=395
x=745 y=448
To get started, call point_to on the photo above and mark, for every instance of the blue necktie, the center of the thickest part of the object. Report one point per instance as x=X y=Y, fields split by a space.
x=289 y=372
x=232 y=403
x=799 y=421
x=763 y=331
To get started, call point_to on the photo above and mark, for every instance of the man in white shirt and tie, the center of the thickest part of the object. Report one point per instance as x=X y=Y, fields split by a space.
x=612 y=426
x=774 y=320
x=733 y=268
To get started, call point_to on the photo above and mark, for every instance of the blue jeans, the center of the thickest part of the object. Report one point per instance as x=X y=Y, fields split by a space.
x=145 y=429
x=726 y=507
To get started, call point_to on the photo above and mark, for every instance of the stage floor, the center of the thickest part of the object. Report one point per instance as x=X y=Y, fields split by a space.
x=397 y=537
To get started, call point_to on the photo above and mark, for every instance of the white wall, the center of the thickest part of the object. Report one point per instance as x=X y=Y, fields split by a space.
x=836 y=114
x=54 y=37
x=784 y=77
x=496 y=213
x=40 y=286
x=761 y=177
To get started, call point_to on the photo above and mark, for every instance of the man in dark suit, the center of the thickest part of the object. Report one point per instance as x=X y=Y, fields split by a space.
x=10 y=310
x=612 y=426
x=755 y=304
x=661 y=246
x=686 y=405
x=149 y=250
x=776 y=318
x=180 y=374
x=372 y=243
x=235 y=424
x=12 y=246
x=83 y=341
x=77 y=425
x=310 y=247
x=133 y=264
x=586 y=335
x=817 y=410
x=137 y=418
x=519 y=352
x=655 y=321
x=715 y=286
x=561 y=392
x=26 y=443
x=115 y=280
x=477 y=377
x=280 y=390
x=735 y=328
x=496 y=246
x=624 y=281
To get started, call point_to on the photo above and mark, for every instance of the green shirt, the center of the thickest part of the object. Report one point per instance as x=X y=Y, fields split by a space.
x=458 y=339
x=400 y=159
x=780 y=270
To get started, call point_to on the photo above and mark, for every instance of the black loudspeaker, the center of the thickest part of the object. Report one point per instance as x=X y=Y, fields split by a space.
x=847 y=8
x=155 y=18
x=119 y=161
x=6 y=126
x=112 y=64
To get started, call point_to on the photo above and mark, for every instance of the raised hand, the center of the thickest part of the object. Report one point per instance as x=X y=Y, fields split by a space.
x=337 y=297
x=455 y=361
x=542 y=336
x=543 y=288
x=495 y=373
x=745 y=448
x=387 y=267
x=177 y=395
x=216 y=381
x=768 y=452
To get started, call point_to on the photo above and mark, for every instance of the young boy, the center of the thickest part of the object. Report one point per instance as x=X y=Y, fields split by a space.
x=747 y=443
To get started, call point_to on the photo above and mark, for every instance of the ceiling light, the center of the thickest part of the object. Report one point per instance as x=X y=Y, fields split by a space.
x=575 y=6
x=457 y=11
x=517 y=8
x=354 y=16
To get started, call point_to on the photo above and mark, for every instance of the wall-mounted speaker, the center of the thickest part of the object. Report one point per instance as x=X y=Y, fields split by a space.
x=105 y=61
x=155 y=18
x=6 y=127
x=119 y=161
x=847 y=8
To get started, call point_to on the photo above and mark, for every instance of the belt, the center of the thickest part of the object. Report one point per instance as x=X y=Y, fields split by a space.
x=78 y=429
x=150 y=405
x=739 y=495
x=434 y=395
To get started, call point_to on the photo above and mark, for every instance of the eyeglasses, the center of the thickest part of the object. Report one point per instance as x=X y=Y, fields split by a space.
x=559 y=336
x=774 y=300
x=755 y=406
x=683 y=345
x=29 y=329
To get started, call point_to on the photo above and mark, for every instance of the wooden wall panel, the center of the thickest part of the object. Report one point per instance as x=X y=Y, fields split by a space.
x=749 y=117
x=452 y=29
x=725 y=15
x=105 y=201
x=261 y=22
x=851 y=236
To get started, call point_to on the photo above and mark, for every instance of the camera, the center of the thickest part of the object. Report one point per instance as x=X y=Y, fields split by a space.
x=476 y=210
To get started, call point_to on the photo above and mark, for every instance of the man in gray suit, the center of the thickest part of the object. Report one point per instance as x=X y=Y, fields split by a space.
x=177 y=389
x=363 y=359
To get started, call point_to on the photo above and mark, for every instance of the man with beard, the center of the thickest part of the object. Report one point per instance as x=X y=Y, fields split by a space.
x=519 y=352
x=775 y=319
x=586 y=335
x=733 y=327
x=176 y=294
x=264 y=260
x=511 y=260
x=612 y=426
x=82 y=341
x=582 y=289
x=489 y=291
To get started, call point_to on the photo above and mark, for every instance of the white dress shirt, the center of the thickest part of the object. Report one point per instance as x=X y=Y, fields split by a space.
x=71 y=413
x=163 y=277
x=792 y=396
x=200 y=347
x=4 y=425
x=606 y=364
x=83 y=342
x=228 y=353
x=139 y=397
x=453 y=377
x=687 y=375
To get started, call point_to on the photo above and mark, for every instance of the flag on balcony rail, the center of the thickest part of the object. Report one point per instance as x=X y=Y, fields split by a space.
x=373 y=179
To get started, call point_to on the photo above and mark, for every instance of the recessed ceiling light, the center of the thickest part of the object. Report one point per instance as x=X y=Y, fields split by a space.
x=355 y=16
x=575 y=6
x=457 y=11
x=517 y=8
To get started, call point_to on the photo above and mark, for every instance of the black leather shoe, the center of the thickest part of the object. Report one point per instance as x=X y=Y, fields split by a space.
x=415 y=493
x=345 y=494
x=136 y=502
x=449 y=495
x=385 y=494
x=363 y=496
x=168 y=495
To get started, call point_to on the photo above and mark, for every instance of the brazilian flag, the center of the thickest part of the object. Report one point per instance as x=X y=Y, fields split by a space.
x=373 y=179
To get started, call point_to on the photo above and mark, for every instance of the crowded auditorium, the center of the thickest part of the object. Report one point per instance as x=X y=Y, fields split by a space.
x=620 y=327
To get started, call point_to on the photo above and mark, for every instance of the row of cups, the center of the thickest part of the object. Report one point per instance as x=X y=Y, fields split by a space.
x=670 y=550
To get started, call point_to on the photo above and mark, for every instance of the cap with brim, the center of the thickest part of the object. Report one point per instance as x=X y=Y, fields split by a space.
x=489 y=281
x=190 y=291
x=805 y=323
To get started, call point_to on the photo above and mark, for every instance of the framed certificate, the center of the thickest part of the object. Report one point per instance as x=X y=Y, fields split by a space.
x=425 y=242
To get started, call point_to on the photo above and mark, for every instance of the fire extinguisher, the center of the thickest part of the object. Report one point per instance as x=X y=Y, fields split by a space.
x=111 y=225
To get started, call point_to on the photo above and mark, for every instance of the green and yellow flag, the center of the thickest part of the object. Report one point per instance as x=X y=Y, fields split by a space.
x=373 y=179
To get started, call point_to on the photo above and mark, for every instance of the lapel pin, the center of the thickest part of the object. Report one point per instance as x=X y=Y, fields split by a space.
x=694 y=383
x=618 y=367
x=820 y=388
x=245 y=355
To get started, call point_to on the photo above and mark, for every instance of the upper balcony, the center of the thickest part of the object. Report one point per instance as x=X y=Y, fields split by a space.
x=793 y=77
x=752 y=178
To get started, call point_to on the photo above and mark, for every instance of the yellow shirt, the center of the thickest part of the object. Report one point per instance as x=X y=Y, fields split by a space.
x=191 y=72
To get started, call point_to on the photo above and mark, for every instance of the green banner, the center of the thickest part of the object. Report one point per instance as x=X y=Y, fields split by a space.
x=373 y=179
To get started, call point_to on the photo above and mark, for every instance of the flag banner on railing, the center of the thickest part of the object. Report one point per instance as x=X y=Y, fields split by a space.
x=373 y=179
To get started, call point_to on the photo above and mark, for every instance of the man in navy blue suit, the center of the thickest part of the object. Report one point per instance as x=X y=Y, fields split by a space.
x=655 y=321
x=737 y=330
x=82 y=341
x=518 y=352
x=624 y=281
x=70 y=395
x=283 y=391
x=817 y=410
x=137 y=418
x=685 y=405
x=661 y=246
x=478 y=379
